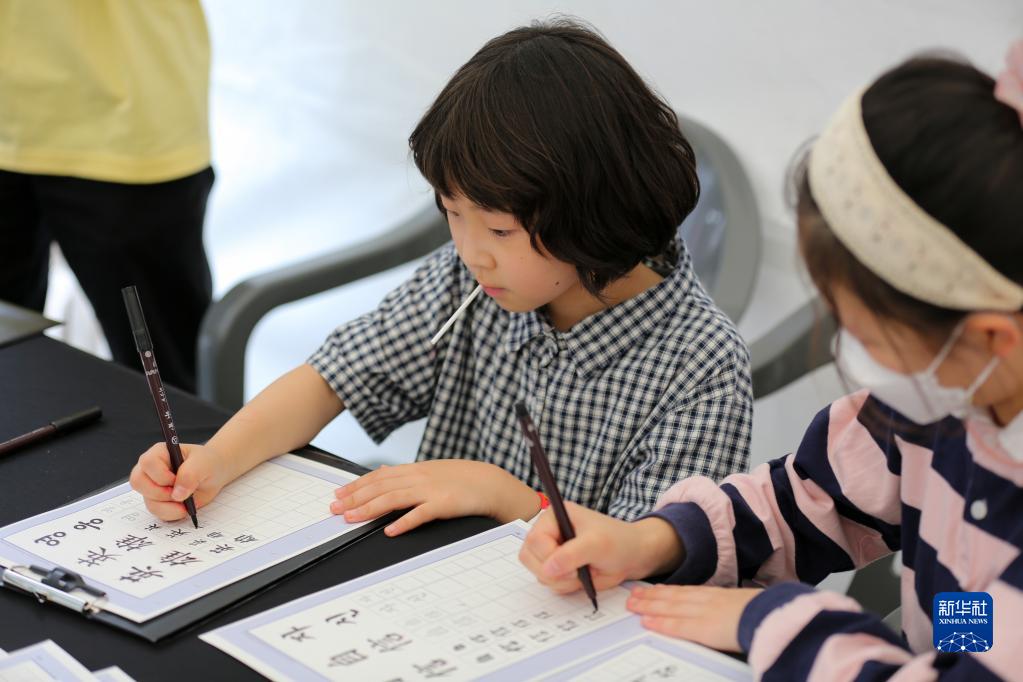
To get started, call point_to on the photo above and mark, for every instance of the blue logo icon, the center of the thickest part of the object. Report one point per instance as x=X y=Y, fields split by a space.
x=963 y=622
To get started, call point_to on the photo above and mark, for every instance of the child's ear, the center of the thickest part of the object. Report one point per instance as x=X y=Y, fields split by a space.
x=1004 y=332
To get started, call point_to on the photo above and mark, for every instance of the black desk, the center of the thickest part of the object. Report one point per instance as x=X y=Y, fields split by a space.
x=41 y=379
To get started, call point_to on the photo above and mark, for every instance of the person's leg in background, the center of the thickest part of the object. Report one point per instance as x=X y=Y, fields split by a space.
x=24 y=243
x=150 y=235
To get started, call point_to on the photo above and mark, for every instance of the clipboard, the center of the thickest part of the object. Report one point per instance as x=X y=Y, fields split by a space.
x=56 y=586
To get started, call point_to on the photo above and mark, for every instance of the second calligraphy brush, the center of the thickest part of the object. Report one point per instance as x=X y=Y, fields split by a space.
x=550 y=486
x=144 y=344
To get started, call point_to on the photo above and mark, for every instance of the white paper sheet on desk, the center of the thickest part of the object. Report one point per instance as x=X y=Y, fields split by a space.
x=465 y=611
x=113 y=674
x=43 y=662
x=147 y=567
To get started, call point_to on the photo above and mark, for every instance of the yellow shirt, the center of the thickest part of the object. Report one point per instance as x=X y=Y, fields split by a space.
x=110 y=90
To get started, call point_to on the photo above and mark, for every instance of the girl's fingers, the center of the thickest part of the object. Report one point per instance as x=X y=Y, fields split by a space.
x=659 y=607
x=156 y=467
x=565 y=586
x=354 y=499
x=529 y=559
x=387 y=502
x=540 y=544
x=682 y=628
x=567 y=558
x=166 y=511
x=414 y=519
x=383 y=473
x=145 y=486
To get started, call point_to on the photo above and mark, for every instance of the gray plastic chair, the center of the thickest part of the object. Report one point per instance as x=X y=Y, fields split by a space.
x=722 y=234
x=228 y=324
x=795 y=346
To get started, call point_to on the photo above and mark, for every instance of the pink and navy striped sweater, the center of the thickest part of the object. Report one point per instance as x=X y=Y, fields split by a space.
x=949 y=496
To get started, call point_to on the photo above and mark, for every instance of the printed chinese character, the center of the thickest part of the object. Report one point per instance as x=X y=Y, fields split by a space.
x=438 y=667
x=344 y=618
x=979 y=608
x=130 y=542
x=297 y=634
x=511 y=646
x=91 y=523
x=389 y=642
x=222 y=548
x=177 y=558
x=666 y=672
x=944 y=607
x=153 y=526
x=177 y=533
x=568 y=625
x=245 y=538
x=214 y=534
x=138 y=574
x=350 y=657
x=197 y=541
x=51 y=540
x=96 y=557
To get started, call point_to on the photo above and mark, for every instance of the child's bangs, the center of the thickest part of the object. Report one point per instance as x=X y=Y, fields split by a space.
x=477 y=146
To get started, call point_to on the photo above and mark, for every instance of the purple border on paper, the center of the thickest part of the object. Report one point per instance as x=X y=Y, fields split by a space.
x=708 y=663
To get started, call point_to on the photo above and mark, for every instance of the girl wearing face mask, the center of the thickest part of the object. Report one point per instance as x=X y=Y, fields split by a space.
x=911 y=225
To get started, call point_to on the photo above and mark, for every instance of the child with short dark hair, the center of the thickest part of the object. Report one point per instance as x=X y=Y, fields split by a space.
x=564 y=179
x=910 y=211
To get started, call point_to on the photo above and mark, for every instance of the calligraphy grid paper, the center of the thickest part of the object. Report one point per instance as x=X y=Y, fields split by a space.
x=654 y=658
x=469 y=610
x=41 y=662
x=276 y=511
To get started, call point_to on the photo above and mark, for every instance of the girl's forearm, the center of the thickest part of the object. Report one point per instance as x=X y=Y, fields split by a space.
x=285 y=415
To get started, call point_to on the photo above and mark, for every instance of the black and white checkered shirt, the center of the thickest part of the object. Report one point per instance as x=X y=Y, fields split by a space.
x=629 y=401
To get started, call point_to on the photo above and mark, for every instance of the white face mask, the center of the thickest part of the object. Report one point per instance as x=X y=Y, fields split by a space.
x=918 y=396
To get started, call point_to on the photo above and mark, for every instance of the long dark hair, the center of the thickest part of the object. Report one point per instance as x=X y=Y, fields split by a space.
x=548 y=122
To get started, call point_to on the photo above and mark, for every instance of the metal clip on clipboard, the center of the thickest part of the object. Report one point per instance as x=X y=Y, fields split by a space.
x=55 y=586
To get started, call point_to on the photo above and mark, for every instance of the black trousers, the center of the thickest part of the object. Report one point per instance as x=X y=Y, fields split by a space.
x=114 y=235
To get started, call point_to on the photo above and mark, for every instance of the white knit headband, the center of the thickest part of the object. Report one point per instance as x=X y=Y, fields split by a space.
x=888 y=233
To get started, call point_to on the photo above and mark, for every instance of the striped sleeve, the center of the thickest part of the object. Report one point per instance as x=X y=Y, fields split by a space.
x=832 y=506
x=793 y=632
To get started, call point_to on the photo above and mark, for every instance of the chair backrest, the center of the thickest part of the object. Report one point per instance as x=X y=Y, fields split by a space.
x=228 y=324
x=723 y=232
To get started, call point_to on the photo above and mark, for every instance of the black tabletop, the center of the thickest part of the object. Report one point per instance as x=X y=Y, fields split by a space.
x=41 y=380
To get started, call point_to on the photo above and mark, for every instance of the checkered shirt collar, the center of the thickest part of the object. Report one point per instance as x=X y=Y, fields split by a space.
x=597 y=340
